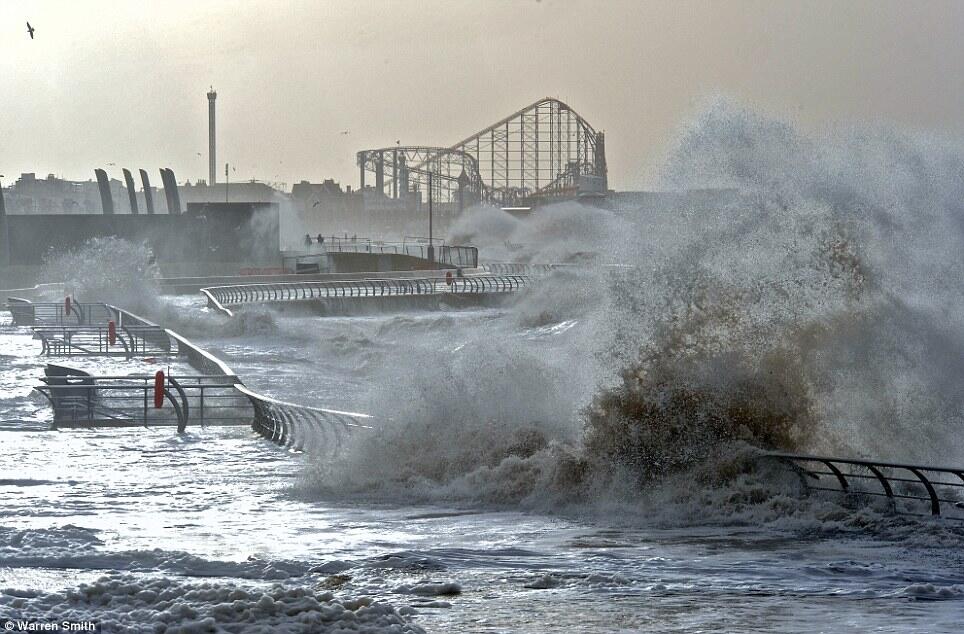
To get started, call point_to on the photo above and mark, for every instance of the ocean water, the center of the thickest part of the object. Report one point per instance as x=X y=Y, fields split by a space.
x=123 y=509
x=568 y=461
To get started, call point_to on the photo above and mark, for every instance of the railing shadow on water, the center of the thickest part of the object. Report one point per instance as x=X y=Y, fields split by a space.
x=215 y=396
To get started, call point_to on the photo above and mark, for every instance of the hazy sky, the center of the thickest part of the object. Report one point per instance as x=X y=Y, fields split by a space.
x=125 y=82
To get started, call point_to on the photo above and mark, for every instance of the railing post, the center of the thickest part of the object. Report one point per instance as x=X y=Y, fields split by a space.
x=935 y=503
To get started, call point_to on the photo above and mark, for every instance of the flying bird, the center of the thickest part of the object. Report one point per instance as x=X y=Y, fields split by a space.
x=344 y=131
x=30 y=30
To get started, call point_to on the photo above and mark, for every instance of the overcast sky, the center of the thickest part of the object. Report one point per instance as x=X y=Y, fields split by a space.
x=125 y=82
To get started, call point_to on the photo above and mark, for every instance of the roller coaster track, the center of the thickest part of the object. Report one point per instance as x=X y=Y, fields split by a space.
x=543 y=151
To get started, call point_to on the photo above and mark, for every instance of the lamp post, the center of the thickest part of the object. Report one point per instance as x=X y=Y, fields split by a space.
x=4 y=238
x=431 y=243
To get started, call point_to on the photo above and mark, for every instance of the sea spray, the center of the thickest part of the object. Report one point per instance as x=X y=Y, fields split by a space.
x=106 y=269
x=124 y=273
x=818 y=309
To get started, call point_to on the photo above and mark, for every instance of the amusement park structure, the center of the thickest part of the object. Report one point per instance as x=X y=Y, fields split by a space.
x=546 y=151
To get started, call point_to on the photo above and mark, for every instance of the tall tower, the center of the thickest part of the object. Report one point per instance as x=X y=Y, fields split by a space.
x=212 y=159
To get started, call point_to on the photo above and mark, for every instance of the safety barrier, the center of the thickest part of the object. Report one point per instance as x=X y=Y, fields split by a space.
x=80 y=399
x=89 y=329
x=298 y=427
x=909 y=489
x=215 y=397
x=127 y=341
x=27 y=313
x=220 y=297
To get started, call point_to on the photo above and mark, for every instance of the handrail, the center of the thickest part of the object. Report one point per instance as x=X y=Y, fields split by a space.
x=297 y=427
x=215 y=304
x=220 y=297
x=928 y=486
x=80 y=399
x=27 y=313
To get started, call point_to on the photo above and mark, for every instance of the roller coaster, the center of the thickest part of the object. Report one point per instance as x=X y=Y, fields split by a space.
x=545 y=151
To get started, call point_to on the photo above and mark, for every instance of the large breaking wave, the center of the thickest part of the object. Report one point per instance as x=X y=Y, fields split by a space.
x=813 y=304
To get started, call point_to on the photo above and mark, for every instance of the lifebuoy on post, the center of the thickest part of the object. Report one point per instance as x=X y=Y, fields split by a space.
x=67 y=306
x=159 y=389
x=111 y=332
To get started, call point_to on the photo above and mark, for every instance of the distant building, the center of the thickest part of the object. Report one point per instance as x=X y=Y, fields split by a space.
x=326 y=208
x=244 y=191
x=32 y=195
x=52 y=195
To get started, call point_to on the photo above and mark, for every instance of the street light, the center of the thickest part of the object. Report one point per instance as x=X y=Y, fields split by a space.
x=4 y=234
x=431 y=243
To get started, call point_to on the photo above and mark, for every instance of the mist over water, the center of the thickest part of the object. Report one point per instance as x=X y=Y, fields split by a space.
x=595 y=441
x=814 y=307
x=107 y=269
x=817 y=309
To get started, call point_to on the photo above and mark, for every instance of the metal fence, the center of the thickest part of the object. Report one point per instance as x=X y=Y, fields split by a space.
x=215 y=396
x=89 y=329
x=220 y=297
x=299 y=427
x=27 y=313
x=127 y=341
x=80 y=399
x=908 y=489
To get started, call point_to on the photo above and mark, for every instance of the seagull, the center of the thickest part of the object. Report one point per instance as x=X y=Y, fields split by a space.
x=344 y=131
x=30 y=30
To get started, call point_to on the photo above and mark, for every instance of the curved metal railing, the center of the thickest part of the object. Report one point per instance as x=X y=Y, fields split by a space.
x=84 y=400
x=128 y=341
x=28 y=313
x=80 y=399
x=909 y=489
x=298 y=427
x=221 y=297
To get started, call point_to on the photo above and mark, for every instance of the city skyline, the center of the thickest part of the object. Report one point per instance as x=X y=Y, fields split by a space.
x=109 y=82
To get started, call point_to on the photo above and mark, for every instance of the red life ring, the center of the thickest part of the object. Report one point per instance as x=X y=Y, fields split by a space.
x=67 y=305
x=159 y=389
x=111 y=332
x=448 y=277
